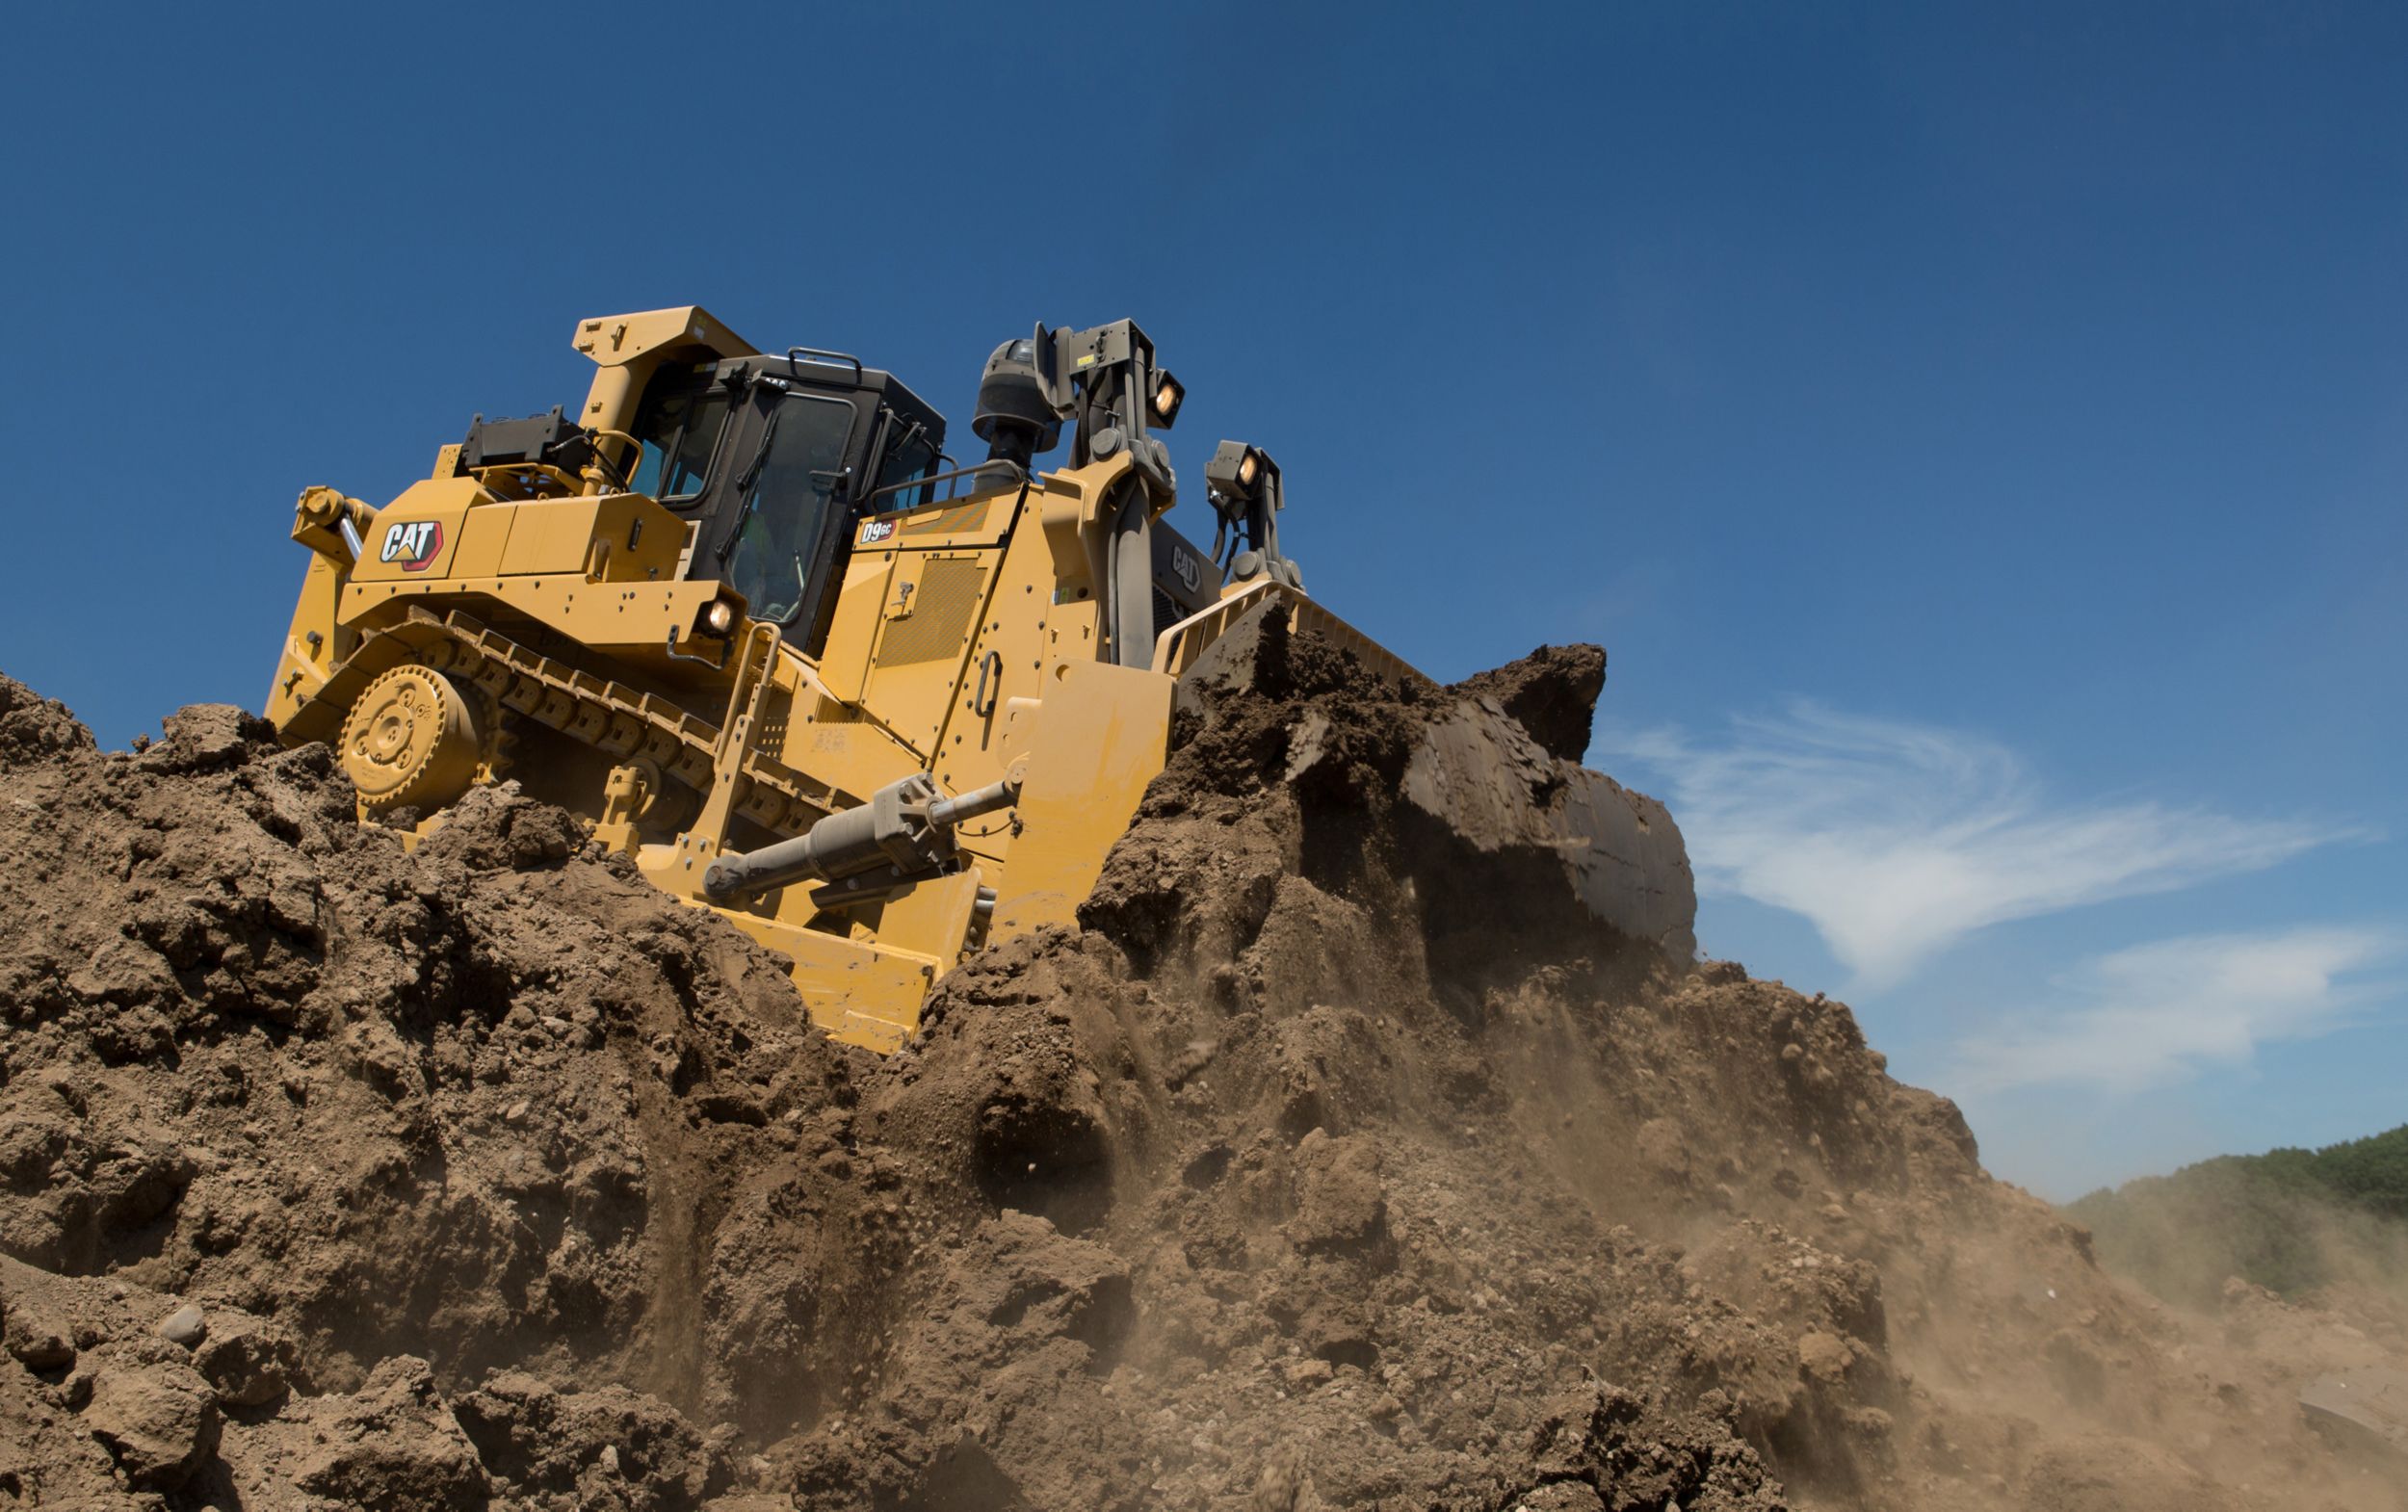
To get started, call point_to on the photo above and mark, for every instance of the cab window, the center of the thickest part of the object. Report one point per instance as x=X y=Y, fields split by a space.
x=910 y=455
x=679 y=432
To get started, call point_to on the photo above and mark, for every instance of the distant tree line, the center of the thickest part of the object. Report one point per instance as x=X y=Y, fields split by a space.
x=2290 y=1221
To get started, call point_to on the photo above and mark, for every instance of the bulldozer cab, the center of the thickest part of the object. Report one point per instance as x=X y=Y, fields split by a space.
x=770 y=459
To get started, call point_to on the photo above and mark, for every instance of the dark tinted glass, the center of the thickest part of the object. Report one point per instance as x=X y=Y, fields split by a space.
x=786 y=510
x=678 y=432
x=912 y=457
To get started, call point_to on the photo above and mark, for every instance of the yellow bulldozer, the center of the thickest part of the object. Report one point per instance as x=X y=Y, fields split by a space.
x=744 y=614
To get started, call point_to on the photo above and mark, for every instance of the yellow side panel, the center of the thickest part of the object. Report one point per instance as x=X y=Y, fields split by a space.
x=1002 y=680
x=860 y=608
x=643 y=540
x=481 y=538
x=551 y=537
x=915 y=673
x=632 y=539
x=1101 y=736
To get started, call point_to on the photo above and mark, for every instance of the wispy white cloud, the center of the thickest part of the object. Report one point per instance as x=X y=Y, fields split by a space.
x=2161 y=1012
x=1898 y=840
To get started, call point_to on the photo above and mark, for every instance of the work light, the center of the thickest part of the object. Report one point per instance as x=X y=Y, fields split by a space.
x=1236 y=470
x=1169 y=396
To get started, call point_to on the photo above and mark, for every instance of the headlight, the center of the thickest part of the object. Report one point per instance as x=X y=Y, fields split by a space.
x=720 y=617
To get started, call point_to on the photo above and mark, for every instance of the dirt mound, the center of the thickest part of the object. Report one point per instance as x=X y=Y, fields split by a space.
x=1338 y=1161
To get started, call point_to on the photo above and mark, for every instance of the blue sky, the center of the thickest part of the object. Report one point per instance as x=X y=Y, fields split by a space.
x=1982 y=443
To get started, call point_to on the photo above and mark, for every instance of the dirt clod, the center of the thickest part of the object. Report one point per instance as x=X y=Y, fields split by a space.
x=1552 y=692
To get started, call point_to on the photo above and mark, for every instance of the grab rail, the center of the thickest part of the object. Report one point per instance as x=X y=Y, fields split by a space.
x=826 y=358
x=1011 y=470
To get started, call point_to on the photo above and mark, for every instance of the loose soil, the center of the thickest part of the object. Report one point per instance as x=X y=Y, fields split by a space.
x=1336 y=1162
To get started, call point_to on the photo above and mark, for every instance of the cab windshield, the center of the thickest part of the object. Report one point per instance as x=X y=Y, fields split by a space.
x=786 y=497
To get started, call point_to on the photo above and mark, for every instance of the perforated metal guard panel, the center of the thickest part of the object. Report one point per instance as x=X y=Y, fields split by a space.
x=949 y=595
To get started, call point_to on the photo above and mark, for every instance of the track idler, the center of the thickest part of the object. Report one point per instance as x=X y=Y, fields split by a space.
x=411 y=740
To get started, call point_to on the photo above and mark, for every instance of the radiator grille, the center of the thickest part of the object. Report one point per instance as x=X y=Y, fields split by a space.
x=940 y=614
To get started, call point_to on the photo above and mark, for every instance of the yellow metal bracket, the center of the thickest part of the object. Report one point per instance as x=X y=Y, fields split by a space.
x=755 y=661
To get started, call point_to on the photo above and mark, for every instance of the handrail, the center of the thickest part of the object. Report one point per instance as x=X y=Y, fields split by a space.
x=1013 y=470
x=823 y=358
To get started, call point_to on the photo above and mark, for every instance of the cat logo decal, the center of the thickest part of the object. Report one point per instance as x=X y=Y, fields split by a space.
x=413 y=544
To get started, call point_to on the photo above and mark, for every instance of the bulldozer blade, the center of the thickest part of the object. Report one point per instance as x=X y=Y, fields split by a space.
x=1478 y=773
